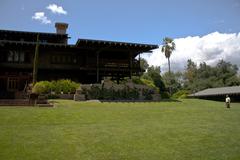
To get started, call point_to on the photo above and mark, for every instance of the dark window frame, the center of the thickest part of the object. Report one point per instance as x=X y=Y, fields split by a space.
x=14 y=56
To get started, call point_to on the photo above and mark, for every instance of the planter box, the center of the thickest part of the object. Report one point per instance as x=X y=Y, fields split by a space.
x=66 y=96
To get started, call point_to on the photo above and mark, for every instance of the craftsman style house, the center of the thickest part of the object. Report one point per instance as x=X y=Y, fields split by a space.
x=87 y=61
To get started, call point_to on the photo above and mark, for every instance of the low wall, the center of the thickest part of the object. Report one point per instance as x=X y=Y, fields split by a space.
x=109 y=90
x=66 y=96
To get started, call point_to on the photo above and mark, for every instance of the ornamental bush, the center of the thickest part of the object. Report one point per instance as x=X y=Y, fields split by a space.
x=94 y=93
x=165 y=95
x=132 y=93
x=66 y=86
x=59 y=86
x=180 y=94
x=149 y=83
x=147 y=93
x=42 y=87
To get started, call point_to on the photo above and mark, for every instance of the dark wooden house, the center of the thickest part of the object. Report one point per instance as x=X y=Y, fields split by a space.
x=87 y=61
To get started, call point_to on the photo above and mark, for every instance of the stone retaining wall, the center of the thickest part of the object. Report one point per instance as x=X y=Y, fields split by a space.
x=108 y=86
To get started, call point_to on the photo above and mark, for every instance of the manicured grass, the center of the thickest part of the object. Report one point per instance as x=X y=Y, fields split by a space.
x=191 y=129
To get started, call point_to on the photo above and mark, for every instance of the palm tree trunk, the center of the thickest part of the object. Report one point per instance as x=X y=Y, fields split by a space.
x=169 y=72
x=35 y=62
x=169 y=65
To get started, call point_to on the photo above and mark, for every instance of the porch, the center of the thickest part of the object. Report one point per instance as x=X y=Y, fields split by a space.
x=14 y=85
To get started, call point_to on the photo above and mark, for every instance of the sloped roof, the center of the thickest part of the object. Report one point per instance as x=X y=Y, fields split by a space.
x=104 y=43
x=34 y=43
x=217 y=91
x=2 y=31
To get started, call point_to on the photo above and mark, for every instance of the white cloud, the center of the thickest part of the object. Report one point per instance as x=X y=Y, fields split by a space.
x=210 y=49
x=40 y=16
x=56 y=9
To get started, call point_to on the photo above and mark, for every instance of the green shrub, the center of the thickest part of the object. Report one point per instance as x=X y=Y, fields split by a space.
x=149 y=83
x=106 y=94
x=137 y=80
x=147 y=93
x=165 y=95
x=180 y=94
x=42 y=87
x=117 y=95
x=94 y=93
x=110 y=94
x=123 y=93
x=65 y=86
x=131 y=93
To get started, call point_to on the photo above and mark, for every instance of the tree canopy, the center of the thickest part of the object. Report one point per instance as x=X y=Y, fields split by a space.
x=205 y=76
x=194 y=78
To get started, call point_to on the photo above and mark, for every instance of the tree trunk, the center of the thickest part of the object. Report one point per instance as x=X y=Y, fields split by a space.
x=169 y=65
x=169 y=72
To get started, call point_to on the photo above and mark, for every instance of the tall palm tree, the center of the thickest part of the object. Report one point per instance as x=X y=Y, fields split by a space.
x=167 y=48
x=35 y=62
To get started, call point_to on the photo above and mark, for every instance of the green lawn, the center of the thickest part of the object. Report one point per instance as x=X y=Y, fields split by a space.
x=191 y=129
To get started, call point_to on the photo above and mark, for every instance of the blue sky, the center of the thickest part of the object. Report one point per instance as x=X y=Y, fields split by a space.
x=144 y=21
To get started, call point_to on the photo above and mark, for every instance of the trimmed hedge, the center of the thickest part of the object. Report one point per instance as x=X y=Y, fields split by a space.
x=42 y=87
x=59 y=86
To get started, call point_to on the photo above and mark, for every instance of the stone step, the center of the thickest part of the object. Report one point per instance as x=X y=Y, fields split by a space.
x=15 y=102
x=23 y=102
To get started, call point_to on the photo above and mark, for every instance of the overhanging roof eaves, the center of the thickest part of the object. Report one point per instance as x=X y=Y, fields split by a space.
x=2 y=42
x=33 y=33
x=146 y=47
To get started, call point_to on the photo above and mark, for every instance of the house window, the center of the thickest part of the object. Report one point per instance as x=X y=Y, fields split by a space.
x=16 y=56
x=22 y=57
x=10 y=56
x=69 y=59
x=12 y=84
x=74 y=60
x=63 y=59
x=44 y=41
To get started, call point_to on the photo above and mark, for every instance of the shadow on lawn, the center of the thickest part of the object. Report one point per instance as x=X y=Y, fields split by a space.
x=170 y=100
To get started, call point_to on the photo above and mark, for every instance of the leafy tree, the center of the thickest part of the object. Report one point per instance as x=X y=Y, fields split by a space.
x=173 y=80
x=153 y=74
x=205 y=76
x=226 y=71
x=143 y=64
x=167 y=48
x=191 y=71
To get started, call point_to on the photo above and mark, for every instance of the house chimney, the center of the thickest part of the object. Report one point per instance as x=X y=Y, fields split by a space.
x=61 y=28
